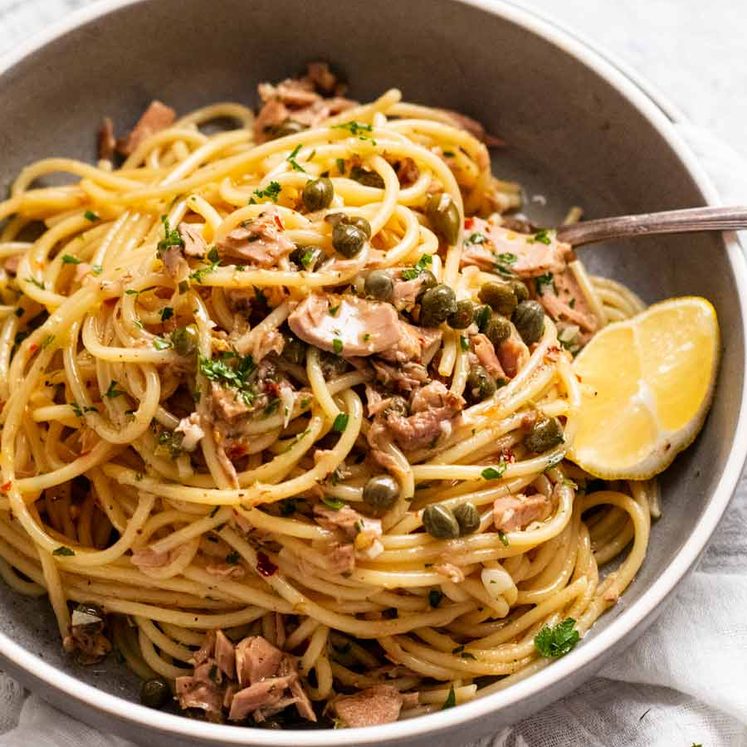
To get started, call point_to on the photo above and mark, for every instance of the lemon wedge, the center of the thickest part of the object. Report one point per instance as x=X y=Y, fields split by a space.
x=646 y=387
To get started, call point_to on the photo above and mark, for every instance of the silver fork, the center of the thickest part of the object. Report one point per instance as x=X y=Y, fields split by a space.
x=670 y=221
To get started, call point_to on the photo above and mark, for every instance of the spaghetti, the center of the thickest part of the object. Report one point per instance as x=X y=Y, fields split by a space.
x=206 y=426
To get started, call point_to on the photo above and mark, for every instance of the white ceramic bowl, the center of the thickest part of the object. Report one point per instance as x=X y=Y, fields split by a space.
x=579 y=131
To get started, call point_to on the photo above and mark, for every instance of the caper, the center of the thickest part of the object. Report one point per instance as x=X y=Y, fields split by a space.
x=334 y=218
x=397 y=406
x=480 y=385
x=307 y=257
x=462 y=316
x=468 y=518
x=294 y=351
x=366 y=178
x=427 y=281
x=184 y=339
x=380 y=493
x=529 y=320
x=359 y=222
x=347 y=239
x=439 y=522
x=545 y=434
x=444 y=217
x=498 y=329
x=499 y=296
x=520 y=290
x=288 y=127
x=437 y=305
x=155 y=693
x=317 y=194
x=379 y=285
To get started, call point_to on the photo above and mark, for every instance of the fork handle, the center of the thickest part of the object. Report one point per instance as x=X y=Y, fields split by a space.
x=670 y=221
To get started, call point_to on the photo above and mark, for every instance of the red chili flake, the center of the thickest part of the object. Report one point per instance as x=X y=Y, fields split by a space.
x=6 y=486
x=265 y=567
x=236 y=451
x=469 y=222
x=33 y=348
x=279 y=223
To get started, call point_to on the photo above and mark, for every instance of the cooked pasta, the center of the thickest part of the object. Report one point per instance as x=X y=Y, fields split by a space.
x=310 y=396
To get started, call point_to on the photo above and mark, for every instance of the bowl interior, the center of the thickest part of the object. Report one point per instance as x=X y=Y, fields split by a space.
x=573 y=139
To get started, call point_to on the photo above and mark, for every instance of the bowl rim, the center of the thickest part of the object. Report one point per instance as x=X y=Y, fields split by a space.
x=638 y=94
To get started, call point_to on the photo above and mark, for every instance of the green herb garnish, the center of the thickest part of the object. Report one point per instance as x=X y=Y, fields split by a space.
x=68 y=259
x=450 y=701
x=270 y=192
x=235 y=374
x=341 y=422
x=90 y=215
x=292 y=159
x=554 y=642
x=62 y=550
x=112 y=391
x=493 y=473
x=334 y=503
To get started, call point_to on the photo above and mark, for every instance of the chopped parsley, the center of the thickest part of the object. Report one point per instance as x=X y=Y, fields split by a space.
x=463 y=342
x=556 y=641
x=507 y=258
x=334 y=503
x=341 y=422
x=337 y=345
x=425 y=261
x=199 y=274
x=357 y=129
x=166 y=313
x=64 y=551
x=334 y=309
x=292 y=159
x=97 y=269
x=133 y=292
x=90 y=215
x=542 y=236
x=449 y=153
x=80 y=411
x=231 y=370
x=112 y=391
x=169 y=443
x=270 y=192
x=68 y=259
x=493 y=473
x=38 y=283
x=476 y=238
x=542 y=281
x=47 y=341
x=170 y=238
x=450 y=701
x=503 y=538
x=307 y=259
x=161 y=343
x=434 y=597
x=233 y=558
